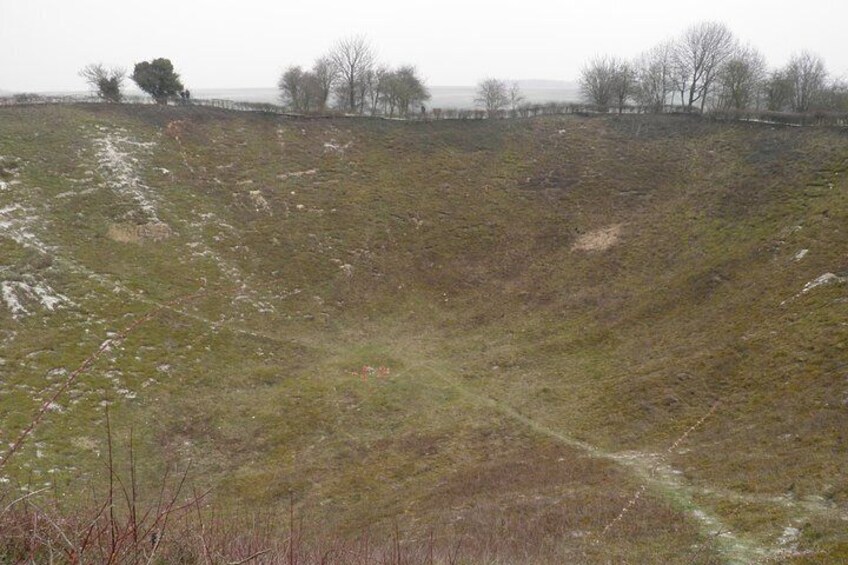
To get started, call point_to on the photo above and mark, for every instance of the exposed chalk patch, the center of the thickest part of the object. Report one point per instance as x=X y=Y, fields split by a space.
x=827 y=278
x=17 y=223
x=297 y=174
x=117 y=162
x=335 y=147
x=260 y=201
x=822 y=280
x=20 y=295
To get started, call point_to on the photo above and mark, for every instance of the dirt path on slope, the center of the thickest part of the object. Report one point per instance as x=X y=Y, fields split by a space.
x=649 y=470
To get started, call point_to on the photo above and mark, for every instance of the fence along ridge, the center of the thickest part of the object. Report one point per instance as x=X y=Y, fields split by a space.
x=809 y=119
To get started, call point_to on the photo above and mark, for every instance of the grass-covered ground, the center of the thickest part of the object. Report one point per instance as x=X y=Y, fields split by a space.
x=546 y=306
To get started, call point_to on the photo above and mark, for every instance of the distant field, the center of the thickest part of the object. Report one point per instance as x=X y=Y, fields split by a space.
x=564 y=339
x=461 y=97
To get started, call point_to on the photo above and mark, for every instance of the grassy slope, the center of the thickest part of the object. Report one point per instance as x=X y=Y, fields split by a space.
x=444 y=251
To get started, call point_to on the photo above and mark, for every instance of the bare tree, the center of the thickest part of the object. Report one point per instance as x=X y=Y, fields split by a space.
x=301 y=90
x=493 y=95
x=353 y=58
x=326 y=73
x=699 y=54
x=311 y=95
x=740 y=80
x=808 y=75
x=835 y=96
x=365 y=86
x=654 y=80
x=679 y=79
x=404 y=89
x=605 y=81
x=107 y=83
x=290 y=85
x=596 y=79
x=778 y=91
x=377 y=82
x=516 y=98
x=624 y=84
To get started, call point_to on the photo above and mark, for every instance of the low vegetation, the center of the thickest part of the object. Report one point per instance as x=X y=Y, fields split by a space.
x=561 y=339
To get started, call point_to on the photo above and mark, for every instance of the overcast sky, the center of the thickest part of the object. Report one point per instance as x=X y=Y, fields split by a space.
x=246 y=43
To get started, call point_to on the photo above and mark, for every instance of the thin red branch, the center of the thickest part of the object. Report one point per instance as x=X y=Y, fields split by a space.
x=86 y=364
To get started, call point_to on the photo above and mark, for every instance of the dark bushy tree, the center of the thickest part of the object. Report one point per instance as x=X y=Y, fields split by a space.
x=158 y=79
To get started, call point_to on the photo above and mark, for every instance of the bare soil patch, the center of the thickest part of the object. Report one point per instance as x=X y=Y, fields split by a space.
x=136 y=233
x=598 y=240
